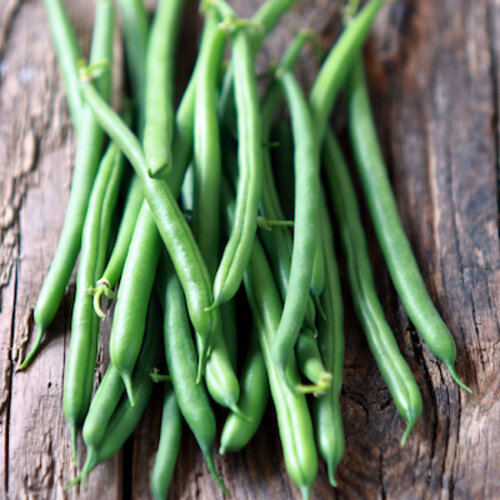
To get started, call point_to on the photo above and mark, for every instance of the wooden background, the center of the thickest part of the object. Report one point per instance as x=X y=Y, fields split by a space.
x=434 y=76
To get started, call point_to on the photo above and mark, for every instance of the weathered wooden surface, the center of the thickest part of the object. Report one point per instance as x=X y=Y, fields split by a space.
x=434 y=71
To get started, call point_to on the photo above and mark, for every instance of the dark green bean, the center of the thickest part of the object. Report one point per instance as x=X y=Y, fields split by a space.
x=168 y=446
x=181 y=361
x=159 y=111
x=171 y=223
x=88 y=153
x=326 y=410
x=383 y=208
x=68 y=54
x=238 y=431
x=385 y=350
x=136 y=284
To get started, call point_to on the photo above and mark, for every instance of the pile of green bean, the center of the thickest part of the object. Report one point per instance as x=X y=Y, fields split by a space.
x=202 y=216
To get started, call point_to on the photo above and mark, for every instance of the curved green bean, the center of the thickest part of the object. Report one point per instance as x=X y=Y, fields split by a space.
x=382 y=205
x=305 y=221
x=88 y=153
x=237 y=251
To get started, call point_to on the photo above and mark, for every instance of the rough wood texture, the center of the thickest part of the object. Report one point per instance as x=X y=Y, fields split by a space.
x=434 y=72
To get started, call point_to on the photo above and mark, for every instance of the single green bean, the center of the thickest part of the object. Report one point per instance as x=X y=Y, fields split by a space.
x=385 y=350
x=305 y=221
x=237 y=251
x=168 y=446
x=68 y=54
x=238 y=431
x=171 y=223
x=159 y=110
x=278 y=241
x=266 y=17
x=135 y=29
x=88 y=153
x=80 y=364
x=207 y=152
x=181 y=361
x=136 y=285
x=326 y=410
x=383 y=208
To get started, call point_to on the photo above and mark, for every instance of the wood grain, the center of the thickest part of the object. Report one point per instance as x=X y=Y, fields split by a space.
x=434 y=73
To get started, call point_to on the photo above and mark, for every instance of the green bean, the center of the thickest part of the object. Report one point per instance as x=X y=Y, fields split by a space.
x=311 y=365
x=181 y=361
x=318 y=275
x=68 y=53
x=395 y=371
x=294 y=421
x=228 y=318
x=238 y=431
x=326 y=410
x=336 y=67
x=207 y=152
x=305 y=221
x=237 y=251
x=171 y=223
x=159 y=112
x=396 y=248
x=278 y=242
x=184 y=119
x=88 y=152
x=266 y=17
x=135 y=28
x=80 y=365
x=124 y=419
x=114 y=267
x=103 y=405
x=136 y=284
x=168 y=446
